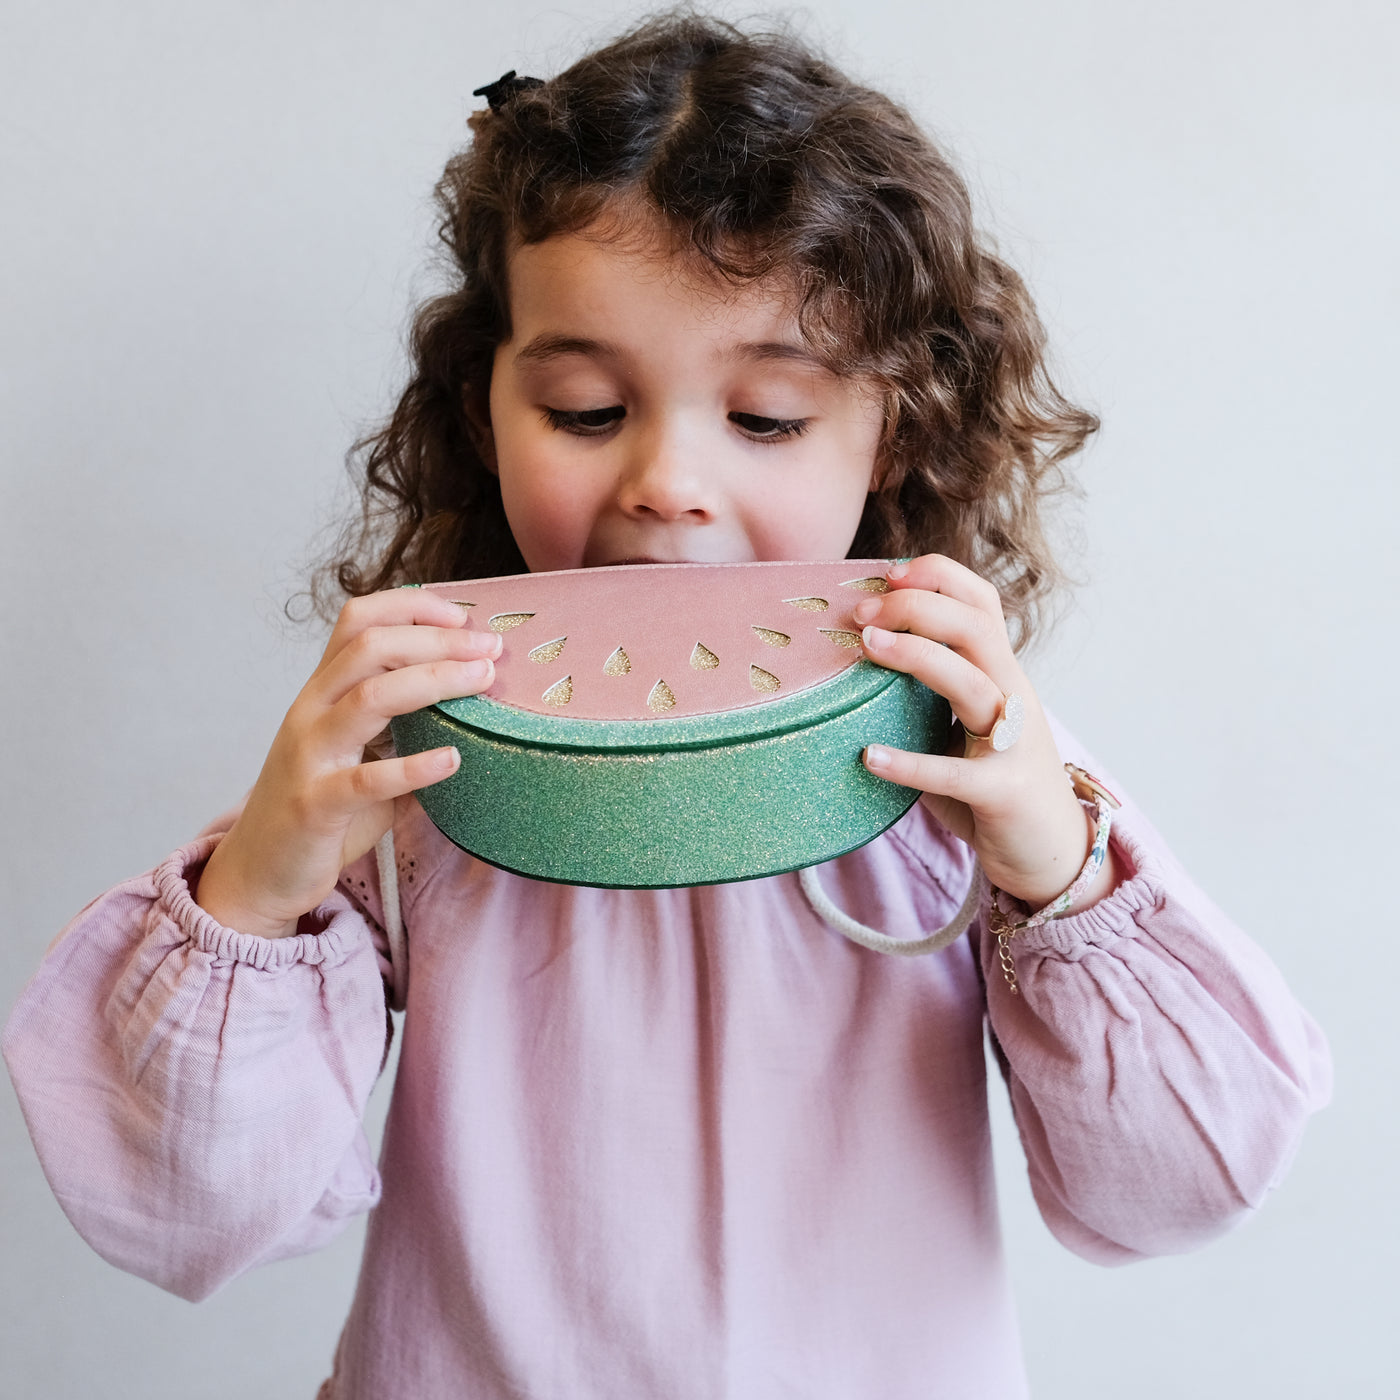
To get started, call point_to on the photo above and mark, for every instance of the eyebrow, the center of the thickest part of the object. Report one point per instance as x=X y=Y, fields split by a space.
x=546 y=347
x=554 y=347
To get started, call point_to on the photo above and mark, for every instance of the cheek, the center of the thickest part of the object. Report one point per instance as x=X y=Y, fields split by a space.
x=529 y=490
x=815 y=517
x=550 y=507
x=522 y=465
x=827 y=506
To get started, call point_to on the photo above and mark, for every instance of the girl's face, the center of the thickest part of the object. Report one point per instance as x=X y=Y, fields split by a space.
x=644 y=412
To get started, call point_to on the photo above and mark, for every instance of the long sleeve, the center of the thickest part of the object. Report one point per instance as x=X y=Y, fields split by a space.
x=195 y=1094
x=1160 y=1070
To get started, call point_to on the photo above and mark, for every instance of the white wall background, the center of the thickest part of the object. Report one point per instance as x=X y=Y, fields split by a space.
x=214 y=222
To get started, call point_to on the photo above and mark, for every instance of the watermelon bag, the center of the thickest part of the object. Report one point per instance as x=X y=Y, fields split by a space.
x=673 y=724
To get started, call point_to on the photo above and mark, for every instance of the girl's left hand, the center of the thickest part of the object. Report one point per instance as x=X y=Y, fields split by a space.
x=943 y=624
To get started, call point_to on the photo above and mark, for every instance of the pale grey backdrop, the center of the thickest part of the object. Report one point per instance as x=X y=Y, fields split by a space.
x=215 y=219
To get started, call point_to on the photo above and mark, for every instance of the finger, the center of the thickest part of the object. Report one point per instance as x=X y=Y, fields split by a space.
x=972 y=633
x=939 y=574
x=382 y=649
x=963 y=780
x=390 y=608
x=349 y=791
x=976 y=698
x=367 y=707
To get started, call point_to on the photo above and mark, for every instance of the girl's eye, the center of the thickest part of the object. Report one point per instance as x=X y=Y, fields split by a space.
x=588 y=422
x=769 y=429
x=592 y=422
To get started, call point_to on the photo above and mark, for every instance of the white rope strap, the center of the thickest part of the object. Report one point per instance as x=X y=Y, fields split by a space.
x=393 y=917
x=882 y=942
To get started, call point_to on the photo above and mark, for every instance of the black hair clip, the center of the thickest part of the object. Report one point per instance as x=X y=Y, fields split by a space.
x=504 y=88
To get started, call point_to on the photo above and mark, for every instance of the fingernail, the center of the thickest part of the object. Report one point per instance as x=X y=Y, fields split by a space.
x=473 y=671
x=490 y=642
x=876 y=638
x=447 y=759
x=897 y=570
x=866 y=610
x=876 y=757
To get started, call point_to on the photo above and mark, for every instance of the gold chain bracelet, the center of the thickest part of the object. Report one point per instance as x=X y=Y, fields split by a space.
x=1004 y=931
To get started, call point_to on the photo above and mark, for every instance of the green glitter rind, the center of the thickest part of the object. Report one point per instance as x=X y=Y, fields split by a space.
x=865 y=840
x=850 y=687
x=761 y=803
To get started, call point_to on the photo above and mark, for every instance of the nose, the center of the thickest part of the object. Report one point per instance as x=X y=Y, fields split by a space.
x=665 y=480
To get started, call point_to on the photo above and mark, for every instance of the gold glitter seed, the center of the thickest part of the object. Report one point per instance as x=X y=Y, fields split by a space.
x=548 y=651
x=867 y=585
x=560 y=693
x=661 y=698
x=617 y=664
x=808 y=604
x=840 y=637
x=461 y=603
x=503 y=622
x=763 y=681
x=774 y=639
x=702 y=658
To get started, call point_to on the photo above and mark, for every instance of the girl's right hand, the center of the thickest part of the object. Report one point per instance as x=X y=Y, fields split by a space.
x=316 y=805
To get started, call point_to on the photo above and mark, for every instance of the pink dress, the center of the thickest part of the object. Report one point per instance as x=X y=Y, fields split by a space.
x=686 y=1143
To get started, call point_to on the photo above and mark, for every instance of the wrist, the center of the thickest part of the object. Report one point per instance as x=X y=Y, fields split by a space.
x=1088 y=853
x=1075 y=828
x=224 y=901
x=1095 y=879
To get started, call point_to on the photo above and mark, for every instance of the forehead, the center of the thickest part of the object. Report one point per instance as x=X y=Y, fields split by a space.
x=627 y=271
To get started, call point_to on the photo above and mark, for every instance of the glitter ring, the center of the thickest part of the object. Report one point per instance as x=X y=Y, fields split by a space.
x=1007 y=729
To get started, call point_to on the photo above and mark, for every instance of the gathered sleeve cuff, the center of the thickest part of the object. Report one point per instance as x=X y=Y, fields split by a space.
x=194 y=1093
x=1161 y=1072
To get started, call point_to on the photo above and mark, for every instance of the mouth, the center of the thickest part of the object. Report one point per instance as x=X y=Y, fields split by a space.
x=642 y=559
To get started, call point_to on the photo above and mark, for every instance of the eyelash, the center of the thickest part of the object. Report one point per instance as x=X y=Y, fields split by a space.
x=570 y=421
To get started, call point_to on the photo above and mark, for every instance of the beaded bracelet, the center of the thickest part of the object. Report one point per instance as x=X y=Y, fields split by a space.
x=1102 y=803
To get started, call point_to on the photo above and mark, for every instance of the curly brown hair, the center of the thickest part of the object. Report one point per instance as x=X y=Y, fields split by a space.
x=759 y=157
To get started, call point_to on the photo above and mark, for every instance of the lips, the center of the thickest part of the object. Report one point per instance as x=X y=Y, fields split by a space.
x=652 y=559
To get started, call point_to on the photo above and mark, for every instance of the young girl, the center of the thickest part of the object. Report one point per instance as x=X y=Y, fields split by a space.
x=713 y=302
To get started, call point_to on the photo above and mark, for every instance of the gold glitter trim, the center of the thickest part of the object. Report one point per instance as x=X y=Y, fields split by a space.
x=548 y=651
x=808 y=604
x=617 y=664
x=867 y=585
x=774 y=639
x=661 y=698
x=702 y=658
x=504 y=622
x=765 y=682
x=840 y=636
x=560 y=693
